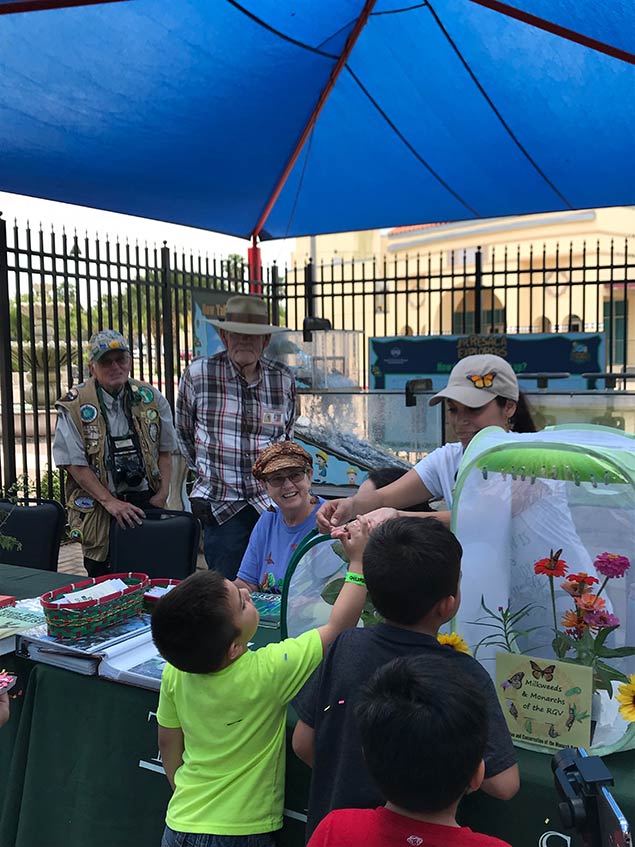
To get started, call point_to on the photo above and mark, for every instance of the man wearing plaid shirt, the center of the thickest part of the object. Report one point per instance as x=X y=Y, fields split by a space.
x=229 y=408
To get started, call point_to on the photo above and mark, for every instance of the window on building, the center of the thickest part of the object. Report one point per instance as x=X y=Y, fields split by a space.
x=492 y=321
x=574 y=324
x=615 y=315
x=542 y=324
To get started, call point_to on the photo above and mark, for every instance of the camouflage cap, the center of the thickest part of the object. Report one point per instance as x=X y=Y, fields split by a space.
x=105 y=341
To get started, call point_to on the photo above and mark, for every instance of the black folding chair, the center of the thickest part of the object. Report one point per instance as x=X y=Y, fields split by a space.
x=165 y=545
x=38 y=526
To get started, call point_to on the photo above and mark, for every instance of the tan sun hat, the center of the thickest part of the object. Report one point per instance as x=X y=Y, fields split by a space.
x=476 y=380
x=248 y=315
x=279 y=457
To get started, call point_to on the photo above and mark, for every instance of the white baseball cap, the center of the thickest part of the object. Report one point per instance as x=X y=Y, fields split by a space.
x=476 y=380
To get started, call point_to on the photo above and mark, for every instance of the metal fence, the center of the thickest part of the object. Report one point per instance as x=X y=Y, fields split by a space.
x=55 y=291
x=550 y=289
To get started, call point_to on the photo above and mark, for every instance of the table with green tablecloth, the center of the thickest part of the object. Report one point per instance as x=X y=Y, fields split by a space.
x=79 y=765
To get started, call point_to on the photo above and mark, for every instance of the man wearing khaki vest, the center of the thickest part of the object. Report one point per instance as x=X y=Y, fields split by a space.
x=114 y=437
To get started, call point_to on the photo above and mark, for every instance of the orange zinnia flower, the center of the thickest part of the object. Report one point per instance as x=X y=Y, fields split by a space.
x=571 y=620
x=552 y=566
x=590 y=602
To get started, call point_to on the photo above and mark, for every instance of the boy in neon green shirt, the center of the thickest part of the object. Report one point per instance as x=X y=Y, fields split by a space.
x=222 y=707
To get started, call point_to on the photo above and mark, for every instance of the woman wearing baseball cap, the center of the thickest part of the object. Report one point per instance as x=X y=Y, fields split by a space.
x=482 y=391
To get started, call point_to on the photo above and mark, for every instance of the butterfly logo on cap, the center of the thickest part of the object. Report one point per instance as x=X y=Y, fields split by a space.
x=484 y=381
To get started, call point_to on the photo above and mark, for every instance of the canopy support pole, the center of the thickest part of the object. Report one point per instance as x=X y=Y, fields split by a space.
x=556 y=29
x=339 y=66
x=255 y=266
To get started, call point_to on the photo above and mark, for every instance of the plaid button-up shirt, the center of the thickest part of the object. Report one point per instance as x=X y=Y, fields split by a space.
x=223 y=423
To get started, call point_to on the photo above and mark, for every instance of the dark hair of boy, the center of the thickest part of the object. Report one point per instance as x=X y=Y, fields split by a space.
x=386 y=475
x=409 y=565
x=192 y=624
x=423 y=733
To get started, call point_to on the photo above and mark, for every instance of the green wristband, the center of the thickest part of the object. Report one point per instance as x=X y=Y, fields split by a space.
x=357 y=578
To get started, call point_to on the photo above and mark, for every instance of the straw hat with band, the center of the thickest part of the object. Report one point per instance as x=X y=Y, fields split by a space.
x=281 y=456
x=476 y=380
x=247 y=315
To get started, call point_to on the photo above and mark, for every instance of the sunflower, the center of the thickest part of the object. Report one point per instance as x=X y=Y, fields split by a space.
x=454 y=641
x=626 y=697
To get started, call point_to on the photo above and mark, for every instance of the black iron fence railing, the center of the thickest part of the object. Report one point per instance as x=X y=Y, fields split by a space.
x=55 y=291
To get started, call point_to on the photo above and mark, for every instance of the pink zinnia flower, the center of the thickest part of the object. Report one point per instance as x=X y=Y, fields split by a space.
x=611 y=565
x=601 y=618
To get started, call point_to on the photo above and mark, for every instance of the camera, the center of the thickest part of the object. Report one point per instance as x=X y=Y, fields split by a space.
x=586 y=805
x=128 y=468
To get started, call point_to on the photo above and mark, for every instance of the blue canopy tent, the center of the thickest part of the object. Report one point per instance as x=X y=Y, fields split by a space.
x=278 y=117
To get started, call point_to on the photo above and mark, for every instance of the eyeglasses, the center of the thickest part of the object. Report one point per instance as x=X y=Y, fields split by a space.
x=121 y=360
x=276 y=480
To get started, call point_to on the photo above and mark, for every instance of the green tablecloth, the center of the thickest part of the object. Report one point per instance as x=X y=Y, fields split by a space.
x=30 y=582
x=79 y=764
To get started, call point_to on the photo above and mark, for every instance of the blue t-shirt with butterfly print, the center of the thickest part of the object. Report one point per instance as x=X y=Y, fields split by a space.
x=271 y=545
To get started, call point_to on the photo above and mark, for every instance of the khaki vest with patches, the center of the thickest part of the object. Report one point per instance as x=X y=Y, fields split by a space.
x=88 y=520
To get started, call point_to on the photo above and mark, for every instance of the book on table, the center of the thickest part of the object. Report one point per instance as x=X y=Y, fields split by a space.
x=82 y=654
x=22 y=617
x=134 y=662
x=268 y=606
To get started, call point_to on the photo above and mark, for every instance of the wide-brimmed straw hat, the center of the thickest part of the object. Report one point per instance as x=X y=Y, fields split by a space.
x=248 y=315
x=279 y=457
x=476 y=380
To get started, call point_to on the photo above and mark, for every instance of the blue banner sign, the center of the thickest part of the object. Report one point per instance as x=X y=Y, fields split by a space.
x=393 y=361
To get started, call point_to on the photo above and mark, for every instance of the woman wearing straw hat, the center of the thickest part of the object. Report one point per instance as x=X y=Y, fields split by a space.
x=286 y=471
x=229 y=408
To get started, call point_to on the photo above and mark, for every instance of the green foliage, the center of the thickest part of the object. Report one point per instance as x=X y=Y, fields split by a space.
x=505 y=625
x=7 y=542
x=590 y=651
x=331 y=592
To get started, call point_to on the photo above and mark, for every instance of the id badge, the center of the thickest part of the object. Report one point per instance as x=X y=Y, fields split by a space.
x=273 y=417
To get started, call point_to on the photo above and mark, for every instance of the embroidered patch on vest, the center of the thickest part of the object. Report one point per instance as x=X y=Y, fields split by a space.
x=146 y=394
x=153 y=430
x=83 y=502
x=88 y=412
x=152 y=414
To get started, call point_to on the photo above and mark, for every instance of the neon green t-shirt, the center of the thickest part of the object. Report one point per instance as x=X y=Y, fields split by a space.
x=231 y=781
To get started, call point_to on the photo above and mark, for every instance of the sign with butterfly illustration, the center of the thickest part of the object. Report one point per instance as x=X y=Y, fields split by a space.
x=545 y=702
x=393 y=361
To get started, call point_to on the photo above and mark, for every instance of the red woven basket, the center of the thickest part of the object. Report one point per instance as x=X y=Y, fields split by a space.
x=150 y=602
x=73 y=620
